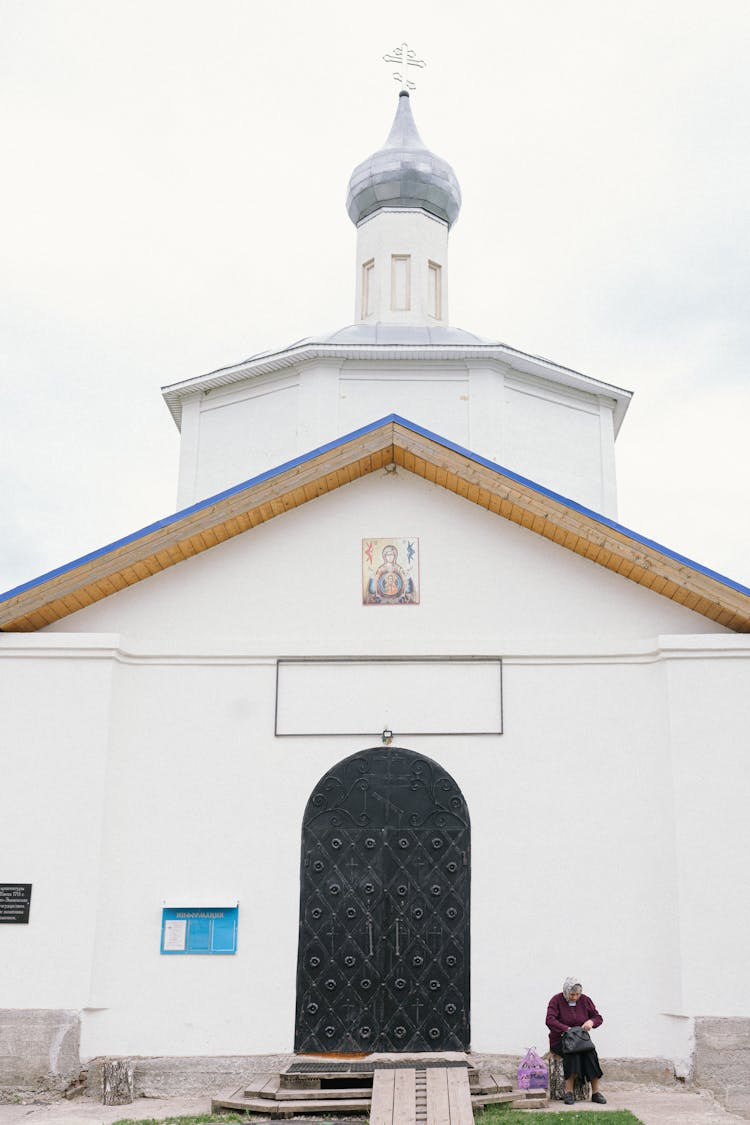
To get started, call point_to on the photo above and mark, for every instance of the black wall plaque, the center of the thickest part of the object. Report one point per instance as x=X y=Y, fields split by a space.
x=15 y=902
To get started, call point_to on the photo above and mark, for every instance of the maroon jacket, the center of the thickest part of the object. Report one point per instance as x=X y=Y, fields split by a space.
x=561 y=1016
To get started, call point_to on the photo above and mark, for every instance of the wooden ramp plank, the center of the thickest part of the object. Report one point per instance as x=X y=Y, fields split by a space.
x=381 y=1108
x=438 y=1109
x=404 y=1097
x=459 y=1096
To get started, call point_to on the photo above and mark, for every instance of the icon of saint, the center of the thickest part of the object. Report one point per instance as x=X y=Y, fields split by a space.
x=390 y=583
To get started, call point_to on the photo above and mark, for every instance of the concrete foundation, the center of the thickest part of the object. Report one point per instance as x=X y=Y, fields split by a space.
x=721 y=1062
x=170 y=1077
x=650 y=1072
x=39 y=1050
x=174 y=1076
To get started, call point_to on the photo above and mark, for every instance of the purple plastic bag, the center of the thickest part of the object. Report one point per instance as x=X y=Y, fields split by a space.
x=532 y=1073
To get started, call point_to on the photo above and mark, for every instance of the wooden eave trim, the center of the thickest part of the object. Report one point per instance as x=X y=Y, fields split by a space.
x=583 y=534
x=439 y=463
x=196 y=532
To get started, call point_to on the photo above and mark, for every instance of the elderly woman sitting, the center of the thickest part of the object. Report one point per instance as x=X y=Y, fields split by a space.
x=570 y=1008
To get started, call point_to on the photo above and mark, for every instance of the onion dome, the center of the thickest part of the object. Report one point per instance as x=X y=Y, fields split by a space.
x=403 y=173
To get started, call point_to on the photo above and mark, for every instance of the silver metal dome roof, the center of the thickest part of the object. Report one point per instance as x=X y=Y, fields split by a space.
x=404 y=173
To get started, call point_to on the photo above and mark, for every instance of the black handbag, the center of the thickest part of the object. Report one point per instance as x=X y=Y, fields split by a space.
x=575 y=1041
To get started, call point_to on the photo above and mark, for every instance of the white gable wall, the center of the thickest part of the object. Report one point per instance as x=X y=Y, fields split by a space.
x=603 y=747
x=489 y=586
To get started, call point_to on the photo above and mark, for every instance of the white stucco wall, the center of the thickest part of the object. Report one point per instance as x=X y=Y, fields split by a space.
x=709 y=719
x=558 y=436
x=55 y=698
x=613 y=697
x=564 y=441
x=230 y=436
x=412 y=234
x=439 y=397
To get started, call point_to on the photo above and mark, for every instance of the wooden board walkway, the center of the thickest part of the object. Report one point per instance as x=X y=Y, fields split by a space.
x=413 y=1094
x=436 y=1096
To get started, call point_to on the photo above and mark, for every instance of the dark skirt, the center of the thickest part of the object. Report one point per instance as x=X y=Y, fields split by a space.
x=584 y=1065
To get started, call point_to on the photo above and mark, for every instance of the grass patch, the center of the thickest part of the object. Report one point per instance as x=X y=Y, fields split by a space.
x=247 y=1117
x=491 y=1115
x=498 y=1115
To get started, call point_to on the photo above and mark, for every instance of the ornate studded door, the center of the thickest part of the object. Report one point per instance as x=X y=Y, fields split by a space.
x=384 y=908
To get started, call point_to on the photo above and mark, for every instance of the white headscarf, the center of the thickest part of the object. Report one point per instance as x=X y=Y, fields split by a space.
x=572 y=984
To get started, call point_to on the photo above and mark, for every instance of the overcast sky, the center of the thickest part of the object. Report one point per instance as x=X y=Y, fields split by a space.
x=172 y=201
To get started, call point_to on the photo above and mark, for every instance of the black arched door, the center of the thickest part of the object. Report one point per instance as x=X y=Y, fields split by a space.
x=384 y=908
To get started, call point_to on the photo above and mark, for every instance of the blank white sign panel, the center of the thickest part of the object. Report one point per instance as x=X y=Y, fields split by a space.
x=407 y=696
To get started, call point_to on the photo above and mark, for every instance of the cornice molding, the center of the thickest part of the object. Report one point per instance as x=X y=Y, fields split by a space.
x=301 y=354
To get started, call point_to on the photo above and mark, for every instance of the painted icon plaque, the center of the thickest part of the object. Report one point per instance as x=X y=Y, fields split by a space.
x=390 y=571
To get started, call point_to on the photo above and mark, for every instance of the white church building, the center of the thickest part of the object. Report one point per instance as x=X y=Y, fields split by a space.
x=389 y=728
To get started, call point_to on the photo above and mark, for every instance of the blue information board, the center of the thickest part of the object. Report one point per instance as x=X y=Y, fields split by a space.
x=199 y=929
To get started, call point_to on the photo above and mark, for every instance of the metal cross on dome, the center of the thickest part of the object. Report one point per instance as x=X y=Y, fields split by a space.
x=405 y=58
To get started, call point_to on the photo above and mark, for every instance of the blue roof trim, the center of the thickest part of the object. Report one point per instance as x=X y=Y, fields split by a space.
x=337 y=443
x=142 y=532
x=574 y=505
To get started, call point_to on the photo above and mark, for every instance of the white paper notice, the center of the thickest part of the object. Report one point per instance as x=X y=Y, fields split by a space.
x=175 y=933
